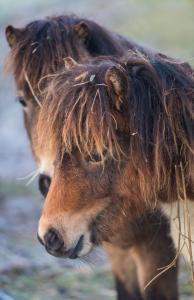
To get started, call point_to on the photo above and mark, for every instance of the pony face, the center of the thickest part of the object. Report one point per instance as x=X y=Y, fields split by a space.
x=83 y=126
x=89 y=202
x=84 y=136
x=80 y=209
x=111 y=129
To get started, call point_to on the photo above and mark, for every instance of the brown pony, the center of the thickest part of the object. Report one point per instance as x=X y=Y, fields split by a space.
x=39 y=50
x=120 y=133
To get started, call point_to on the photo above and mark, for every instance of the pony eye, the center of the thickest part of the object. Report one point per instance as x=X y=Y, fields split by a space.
x=44 y=184
x=22 y=101
x=93 y=158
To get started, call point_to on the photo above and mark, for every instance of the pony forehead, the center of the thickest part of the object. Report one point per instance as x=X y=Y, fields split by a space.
x=78 y=110
x=79 y=115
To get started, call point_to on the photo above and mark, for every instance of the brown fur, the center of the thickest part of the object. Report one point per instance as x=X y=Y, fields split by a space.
x=39 y=48
x=37 y=51
x=136 y=266
x=152 y=133
x=139 y=144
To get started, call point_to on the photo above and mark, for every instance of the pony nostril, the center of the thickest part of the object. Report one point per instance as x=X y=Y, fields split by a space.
x=52 y=240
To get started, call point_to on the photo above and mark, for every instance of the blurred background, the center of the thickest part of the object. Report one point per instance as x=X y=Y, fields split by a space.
x=27 y=272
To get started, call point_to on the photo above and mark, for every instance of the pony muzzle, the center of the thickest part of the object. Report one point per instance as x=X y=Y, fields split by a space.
x=64 y=243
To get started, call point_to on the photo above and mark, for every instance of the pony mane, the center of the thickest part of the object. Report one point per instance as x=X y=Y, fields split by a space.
x=154 y=131
x=78 y=114
x=44 y=44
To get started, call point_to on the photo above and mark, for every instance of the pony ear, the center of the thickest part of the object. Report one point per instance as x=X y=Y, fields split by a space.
x=12 y=35
x=82 y=30
x=69 y=63
x=117 y=84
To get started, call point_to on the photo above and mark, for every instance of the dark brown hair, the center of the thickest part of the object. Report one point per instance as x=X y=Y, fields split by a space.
x=39 y=48
x=135 y=109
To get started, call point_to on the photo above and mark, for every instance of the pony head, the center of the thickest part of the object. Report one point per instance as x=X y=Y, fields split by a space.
x=115 y=130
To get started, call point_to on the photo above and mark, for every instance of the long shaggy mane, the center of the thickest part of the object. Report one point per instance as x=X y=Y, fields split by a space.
x=153 y=131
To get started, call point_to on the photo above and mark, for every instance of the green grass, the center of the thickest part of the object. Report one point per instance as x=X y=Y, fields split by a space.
x=69 y=284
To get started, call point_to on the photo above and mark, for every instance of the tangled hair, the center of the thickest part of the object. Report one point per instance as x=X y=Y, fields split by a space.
x=39 y=48
x=133 y=109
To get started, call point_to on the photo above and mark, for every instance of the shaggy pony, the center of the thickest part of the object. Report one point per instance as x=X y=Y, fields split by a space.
x=38 y=50
x=136 y=111
x=121 y=134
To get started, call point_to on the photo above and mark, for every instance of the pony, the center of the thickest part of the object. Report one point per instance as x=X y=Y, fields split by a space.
x=121 y=134
x=37 y=51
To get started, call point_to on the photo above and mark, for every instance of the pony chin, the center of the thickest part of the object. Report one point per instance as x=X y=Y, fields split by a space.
x=87 y=246
x=95 y=257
